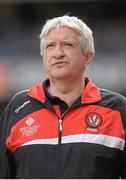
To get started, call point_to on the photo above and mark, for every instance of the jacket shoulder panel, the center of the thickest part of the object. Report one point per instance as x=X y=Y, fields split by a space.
x=114 y=101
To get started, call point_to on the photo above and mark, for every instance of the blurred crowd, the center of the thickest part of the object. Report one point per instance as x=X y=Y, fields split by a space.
x=5 y=86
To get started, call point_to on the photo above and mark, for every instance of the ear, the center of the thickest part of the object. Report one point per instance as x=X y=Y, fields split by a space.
x=89 y=58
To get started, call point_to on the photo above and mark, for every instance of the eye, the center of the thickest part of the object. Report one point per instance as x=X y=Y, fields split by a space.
x=49 y=45
x=68 y=44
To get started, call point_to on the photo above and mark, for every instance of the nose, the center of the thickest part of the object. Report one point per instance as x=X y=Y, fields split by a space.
x=58 y=53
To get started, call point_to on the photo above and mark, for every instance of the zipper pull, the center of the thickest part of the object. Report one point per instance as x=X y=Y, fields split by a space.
x=60 y=125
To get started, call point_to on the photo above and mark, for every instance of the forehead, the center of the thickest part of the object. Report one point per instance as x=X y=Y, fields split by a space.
x=62 y=32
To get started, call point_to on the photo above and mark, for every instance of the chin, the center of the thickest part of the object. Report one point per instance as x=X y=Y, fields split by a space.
x=60 y=75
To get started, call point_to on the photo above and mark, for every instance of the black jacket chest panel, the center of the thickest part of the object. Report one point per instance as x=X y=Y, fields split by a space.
x=80 y=160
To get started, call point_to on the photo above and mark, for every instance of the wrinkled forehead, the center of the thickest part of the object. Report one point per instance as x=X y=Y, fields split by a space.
x=62 y=30
x=62 y=33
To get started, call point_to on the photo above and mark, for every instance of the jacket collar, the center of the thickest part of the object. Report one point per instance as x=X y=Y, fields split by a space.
x=37 y=92
x=91 y=93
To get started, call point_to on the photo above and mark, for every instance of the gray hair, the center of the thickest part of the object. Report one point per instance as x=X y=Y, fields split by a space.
x=75 y=24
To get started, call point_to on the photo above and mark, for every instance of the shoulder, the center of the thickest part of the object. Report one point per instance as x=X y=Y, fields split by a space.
x=20 y=95
x=113 y=100
x=112 y=94
x=17 y=99
x=13 y=106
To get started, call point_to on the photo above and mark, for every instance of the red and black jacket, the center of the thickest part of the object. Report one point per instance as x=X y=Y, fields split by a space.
x=41 y=139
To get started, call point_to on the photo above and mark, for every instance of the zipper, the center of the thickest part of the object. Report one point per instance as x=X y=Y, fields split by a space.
x=60 y=125
x=60 y=128
x=60 y=122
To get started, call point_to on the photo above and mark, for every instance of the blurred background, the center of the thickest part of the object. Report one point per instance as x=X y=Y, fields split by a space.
x=21 y=22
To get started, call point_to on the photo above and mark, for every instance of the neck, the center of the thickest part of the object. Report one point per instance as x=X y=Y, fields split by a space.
x=67 y=90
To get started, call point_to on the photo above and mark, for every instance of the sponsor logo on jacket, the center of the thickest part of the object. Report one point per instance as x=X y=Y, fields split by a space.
x=22 y=106
x=30 y=129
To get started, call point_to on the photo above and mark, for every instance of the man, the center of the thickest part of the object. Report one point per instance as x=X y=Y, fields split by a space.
x=66 y=127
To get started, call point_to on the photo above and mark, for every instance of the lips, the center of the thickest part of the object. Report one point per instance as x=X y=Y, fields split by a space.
x=59 y=63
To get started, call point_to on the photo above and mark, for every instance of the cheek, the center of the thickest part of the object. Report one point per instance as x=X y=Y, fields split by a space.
x=78 y=60
x=80 y=63
x=45 y=64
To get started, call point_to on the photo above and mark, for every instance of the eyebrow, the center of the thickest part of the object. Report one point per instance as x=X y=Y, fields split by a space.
x=64 y=40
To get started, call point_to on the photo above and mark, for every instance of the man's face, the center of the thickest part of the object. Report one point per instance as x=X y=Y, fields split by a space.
x=63 y=56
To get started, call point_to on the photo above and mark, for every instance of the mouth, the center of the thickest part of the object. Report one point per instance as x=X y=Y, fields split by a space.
x=59 y=63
